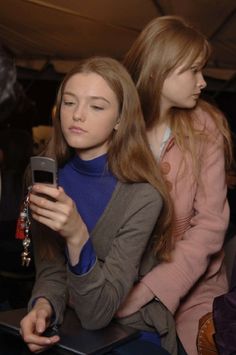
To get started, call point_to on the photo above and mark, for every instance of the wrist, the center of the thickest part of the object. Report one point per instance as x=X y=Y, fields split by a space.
x=42 y=302
x=146 y=293
x=79 y=238
x=75 y=246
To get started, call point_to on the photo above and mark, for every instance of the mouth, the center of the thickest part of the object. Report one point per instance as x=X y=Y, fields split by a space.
x=75 y=129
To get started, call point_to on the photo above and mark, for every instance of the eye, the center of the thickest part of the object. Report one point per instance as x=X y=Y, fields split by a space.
x=195 y=69
x=98 y=108
x=68 y=102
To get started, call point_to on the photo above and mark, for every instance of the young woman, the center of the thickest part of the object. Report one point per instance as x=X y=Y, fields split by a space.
x=97 y=233
x=191 y=143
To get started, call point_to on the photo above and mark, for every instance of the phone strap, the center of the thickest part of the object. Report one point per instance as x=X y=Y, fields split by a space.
x=23 y=230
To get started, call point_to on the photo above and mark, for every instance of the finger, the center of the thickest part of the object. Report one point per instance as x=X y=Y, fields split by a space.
x=42 y=206
x=63 y=204
x=51 y=219
x=54 y=215
x=26 y=328
x=43 y=343
x=43 y=211
x=42 y=200
x=41 y=322
x=34 y=348
x=37 y=340
x=55 y=193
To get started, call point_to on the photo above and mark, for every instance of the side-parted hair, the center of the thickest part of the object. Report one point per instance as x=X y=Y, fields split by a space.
x=129 y=156
x=168 y=42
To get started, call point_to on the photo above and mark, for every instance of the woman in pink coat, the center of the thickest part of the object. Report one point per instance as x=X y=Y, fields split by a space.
x=191 y=141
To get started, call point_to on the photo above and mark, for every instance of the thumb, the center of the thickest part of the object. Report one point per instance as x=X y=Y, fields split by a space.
x=41 y=322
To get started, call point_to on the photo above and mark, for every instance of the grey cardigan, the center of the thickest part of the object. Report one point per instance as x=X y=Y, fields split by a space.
x=122 y=240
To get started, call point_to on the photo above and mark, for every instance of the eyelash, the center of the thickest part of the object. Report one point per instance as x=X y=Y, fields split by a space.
x=97 y=107
x=68 y=103
x=71 y=103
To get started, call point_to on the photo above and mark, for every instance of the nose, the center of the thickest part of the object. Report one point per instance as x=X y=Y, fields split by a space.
x=201 y=82
x=79 y=114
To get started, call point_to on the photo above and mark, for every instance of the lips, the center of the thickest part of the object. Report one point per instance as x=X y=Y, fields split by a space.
x=75 y=129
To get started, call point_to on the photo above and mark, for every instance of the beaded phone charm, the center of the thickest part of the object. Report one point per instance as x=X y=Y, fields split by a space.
x=23 y=230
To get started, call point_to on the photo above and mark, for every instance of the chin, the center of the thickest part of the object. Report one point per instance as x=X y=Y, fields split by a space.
x=191 y=104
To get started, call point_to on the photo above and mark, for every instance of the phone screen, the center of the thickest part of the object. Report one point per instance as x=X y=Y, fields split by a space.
x=41 y=176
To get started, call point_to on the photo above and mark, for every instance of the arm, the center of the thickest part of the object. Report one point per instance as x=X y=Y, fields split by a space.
x=50 y=282
x=170 y=282
x=105 y=286
x=49 y=296
x=52 y=218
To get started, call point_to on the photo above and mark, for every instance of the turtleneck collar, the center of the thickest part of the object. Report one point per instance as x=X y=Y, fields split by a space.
x=95 y=167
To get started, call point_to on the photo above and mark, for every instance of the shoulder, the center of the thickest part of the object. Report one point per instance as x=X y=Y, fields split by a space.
x=138 y=195
x=206 y=117
x=141 y=189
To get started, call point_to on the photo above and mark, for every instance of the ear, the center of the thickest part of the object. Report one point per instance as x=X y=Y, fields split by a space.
x=117 y=125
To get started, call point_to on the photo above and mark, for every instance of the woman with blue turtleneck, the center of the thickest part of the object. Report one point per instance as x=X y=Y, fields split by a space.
x=108 y=222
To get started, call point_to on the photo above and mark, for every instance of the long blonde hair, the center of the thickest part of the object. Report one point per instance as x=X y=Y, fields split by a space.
x=165 y=44
x=129 y=156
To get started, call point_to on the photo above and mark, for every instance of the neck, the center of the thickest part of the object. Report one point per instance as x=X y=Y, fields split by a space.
x=90 y=154
x=164 y=113
x=155 y=137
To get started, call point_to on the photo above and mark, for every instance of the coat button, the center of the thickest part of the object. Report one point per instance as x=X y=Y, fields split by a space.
x=165 y=167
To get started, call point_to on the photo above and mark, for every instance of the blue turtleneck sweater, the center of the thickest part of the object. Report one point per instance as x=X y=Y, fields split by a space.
x=90 y=185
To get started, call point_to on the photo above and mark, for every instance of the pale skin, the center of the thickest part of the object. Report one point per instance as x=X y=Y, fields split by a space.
x=89 y=114
x=191 y=82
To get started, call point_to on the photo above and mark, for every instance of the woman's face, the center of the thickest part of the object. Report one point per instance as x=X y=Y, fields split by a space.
x=182 y=87
x=89 y=114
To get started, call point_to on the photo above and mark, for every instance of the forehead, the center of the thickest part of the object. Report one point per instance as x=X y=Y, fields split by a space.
x=194 y=58
x=88 y=83
x=190 y=61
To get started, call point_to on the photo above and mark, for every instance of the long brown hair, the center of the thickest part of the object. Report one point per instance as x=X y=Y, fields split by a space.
x=165 y=44
x=129 y=156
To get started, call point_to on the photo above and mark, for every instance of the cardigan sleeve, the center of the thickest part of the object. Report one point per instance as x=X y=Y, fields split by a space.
x=86 y=260
x=50 y=281
x=97 y=294
x=193 y=253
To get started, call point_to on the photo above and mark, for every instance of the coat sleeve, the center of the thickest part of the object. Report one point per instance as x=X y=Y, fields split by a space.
x=97 y=294
x=193 y=253
x=50 y=281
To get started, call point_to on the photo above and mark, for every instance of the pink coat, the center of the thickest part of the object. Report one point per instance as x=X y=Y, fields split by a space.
x=188 y=284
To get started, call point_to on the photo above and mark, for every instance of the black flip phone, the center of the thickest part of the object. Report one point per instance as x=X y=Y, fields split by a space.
x=44 y=170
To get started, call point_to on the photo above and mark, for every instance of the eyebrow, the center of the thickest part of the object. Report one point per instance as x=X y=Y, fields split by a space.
x=92 y=97
x=197 y=63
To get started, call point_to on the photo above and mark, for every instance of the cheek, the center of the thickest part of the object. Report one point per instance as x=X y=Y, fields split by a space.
x=63 y=123
x=170 y=87
x=104 y=131
x=64 y=115
x=108 y=121
x=63 y=112
x=170 y=92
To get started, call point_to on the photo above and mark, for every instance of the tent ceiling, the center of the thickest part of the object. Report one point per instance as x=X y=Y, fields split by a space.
x=62 y=31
